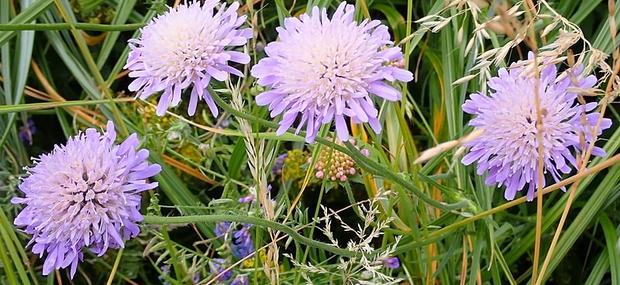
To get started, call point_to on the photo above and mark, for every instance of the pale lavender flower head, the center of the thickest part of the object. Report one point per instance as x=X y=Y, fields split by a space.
x=507 y=149
x=84 y=194
x=188 y=45
x=322 y=70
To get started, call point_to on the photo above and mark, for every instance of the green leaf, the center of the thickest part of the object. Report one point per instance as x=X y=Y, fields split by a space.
x=611 y=240
x=65 y=26
x=237 y=158
x=14 y=250
x=282 y=11
x=123 y=10
x=599 y=270
x=88 y=6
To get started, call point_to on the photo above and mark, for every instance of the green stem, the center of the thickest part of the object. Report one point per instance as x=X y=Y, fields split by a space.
x=371 y=165
x=293 y=233
x=47 y=105
x=115 y=267
x=8 y=268
x=316 y=215
x=179 y=266
x=26 y=15
x=382 y=170
x=66 y=26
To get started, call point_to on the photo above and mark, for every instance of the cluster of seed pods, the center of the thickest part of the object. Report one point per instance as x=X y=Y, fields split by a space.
x=334 y=165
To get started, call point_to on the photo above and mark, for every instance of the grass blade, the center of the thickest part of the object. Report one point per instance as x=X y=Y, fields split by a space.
x=611 y=239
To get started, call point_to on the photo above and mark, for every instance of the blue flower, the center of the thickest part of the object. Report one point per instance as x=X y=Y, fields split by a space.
x=222 y=228
x=278 y=164
x=27 y=131
x=218 y=265
x=391 y=262
x=240 y=280
x=242 y=244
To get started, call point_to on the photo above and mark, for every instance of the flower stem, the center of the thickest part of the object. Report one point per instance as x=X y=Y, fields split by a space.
x=117 y=261
x=532 y=14
x=443 y=232
x=584 y=159
x=368 y=164
x=294 y=234
x=66 y=26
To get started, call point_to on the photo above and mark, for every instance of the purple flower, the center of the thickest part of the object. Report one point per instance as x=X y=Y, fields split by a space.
x=391 y=263
x=242 y=244
x=278 y=164
x=247 y=199
x=187 y=46
x=84 y=194
x=325 y=70
x=251 y=197
x=240 y=280
x=165 y=271
x=507 y=149
x=27 y=131
x=222 y=228
x=218 y=265
x=196 y=278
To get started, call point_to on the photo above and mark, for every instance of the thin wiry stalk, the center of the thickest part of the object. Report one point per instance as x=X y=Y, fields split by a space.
x=532 y=14
x=258 y=165
x=66 y=26
x=585 y=158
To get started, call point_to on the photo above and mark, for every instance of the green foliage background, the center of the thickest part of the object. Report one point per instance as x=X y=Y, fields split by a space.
x=61 y=64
